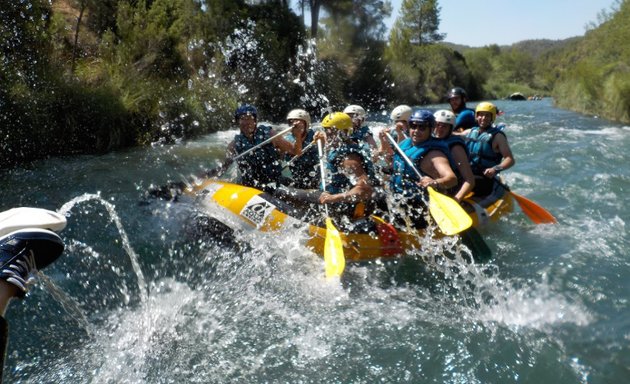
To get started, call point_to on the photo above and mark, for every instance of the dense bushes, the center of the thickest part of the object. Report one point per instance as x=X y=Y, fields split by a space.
x=161 y=70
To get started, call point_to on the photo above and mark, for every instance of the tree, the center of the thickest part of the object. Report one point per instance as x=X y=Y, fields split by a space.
x=419 y=22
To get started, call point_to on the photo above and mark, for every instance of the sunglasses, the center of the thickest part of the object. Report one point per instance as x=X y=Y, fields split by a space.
x=421 y=127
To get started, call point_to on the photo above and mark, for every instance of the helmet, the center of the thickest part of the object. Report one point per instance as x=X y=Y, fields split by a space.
x=299 y=114
x=444 y=116
x=355 y=109
x=457 y=91
x=338 y=120
x=487 y=107
x=401 y=112
x=422 y=116
x=245 y=109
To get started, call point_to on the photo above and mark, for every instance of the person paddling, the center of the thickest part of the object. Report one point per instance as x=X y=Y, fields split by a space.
x=261 y=168
x=457 y=156
x=429 y=157
x=349 y=170
x=304 y=167
x=361 y=132
x=489 y=152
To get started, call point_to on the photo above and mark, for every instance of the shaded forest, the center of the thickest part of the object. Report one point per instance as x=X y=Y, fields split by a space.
x=91 y=76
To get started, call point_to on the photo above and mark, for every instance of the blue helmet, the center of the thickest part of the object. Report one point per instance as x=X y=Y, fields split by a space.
x=245 y=109
x=422 y=116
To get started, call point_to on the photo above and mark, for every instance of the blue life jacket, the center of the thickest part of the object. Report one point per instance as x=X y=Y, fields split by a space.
x=465 y=119
x=480 y=150
x=452 y=141
x=339 y=181
x=404 y=178
x=360 y=135
x=305 y=172
x=260 y=167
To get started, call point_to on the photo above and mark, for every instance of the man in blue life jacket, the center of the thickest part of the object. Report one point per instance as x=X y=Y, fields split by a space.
x=464 y=116
x=489 y=153
x=361 y=133
x=350 y=178
x=429 y=157
x=260 y=168
x=458 y=154
x=304 y=168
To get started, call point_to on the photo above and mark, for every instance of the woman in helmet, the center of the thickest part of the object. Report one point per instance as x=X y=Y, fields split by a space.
x=304 y=168
x=489 y=153
x=429 y=157
x=464 y=116
x=261 y=168
x=361 y=133
x=349 y=170
x=458 y=154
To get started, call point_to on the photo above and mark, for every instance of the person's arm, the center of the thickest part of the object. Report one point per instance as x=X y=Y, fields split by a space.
x=285 y=146
x=371 y=142
x=438 y=170
x=463 y=166
x=462 y=132
x=361 y=191
x=500 y=145
x=230 y=152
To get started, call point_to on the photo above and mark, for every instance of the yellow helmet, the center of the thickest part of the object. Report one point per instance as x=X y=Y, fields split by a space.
x=487 y=107
x=338 y=120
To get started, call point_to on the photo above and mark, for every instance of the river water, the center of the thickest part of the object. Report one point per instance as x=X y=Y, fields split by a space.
x=139 y=297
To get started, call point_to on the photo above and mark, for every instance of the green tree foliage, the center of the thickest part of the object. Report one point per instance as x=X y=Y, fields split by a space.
x=419 y=22
x=594 y=76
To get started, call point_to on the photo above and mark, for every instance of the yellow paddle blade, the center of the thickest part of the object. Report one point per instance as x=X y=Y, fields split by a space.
x=447 y=213
x=334 y=260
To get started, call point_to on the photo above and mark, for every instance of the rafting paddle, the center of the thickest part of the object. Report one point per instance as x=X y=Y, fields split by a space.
x=334 y=259
x=218 y=171
x=172 y=189
x=535 y=212
x=447 y=213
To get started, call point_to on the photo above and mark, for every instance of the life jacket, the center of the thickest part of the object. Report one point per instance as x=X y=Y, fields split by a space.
x=465 y=119
x=452 y=141
x=359 y=136
x=480 y=150
x=404 y=178
x=305 y=172
x=262 y=166
x=339 y=182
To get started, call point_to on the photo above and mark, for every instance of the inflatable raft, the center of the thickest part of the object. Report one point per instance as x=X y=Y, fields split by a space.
x=375 y=238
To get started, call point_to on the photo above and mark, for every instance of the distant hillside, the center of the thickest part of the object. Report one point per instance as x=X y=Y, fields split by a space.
x=539 y=47
x=534 y=48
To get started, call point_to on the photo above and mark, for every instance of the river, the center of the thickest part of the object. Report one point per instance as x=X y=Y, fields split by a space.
x=137 y=297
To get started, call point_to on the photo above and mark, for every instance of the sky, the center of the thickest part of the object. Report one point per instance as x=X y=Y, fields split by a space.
x=477 y=23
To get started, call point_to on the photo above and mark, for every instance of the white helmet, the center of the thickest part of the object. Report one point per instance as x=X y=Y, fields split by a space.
x=356 y=110
x=445 y=116
x=401 y=112
x=299 y=114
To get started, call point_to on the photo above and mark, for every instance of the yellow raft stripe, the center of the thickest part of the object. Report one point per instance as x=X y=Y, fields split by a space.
x=246 y=203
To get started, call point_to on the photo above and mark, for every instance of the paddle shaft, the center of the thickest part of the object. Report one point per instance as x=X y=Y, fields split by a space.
x=447 y=213
x=223 y=167
x=322 y=170
x=298 y=156
x=402 y=154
